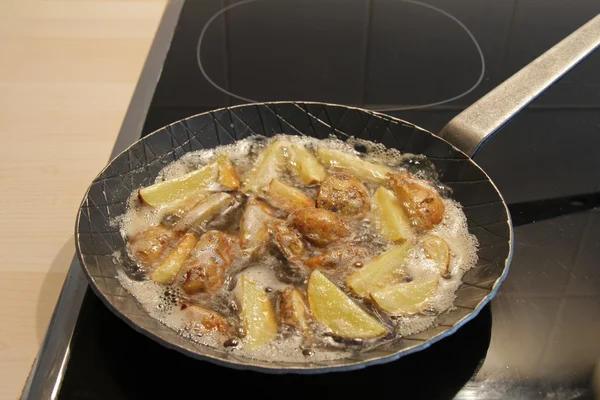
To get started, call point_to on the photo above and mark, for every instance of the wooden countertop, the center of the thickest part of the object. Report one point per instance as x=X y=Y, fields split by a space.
x=68 y=70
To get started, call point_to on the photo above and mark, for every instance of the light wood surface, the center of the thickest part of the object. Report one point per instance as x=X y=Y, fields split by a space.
x=67 y=72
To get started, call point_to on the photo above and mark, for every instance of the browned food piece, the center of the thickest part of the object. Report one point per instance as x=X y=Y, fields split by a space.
x=227 y=175
x=320 y=227
x=385 y=269
x=254 y=231
x=422 y=202
x=344 y=194
x=267 y=167
x=343 y=161
x=205 y=211
x=170 y=266
x=147 y=247
x=405 y=298
x=288 y=240
x=339 y=257
x=437 y=250
x=305 y=165
x=174 y=211
x=166 y=192
x=257 y=314
x=286 y=197
x=204 y=270
x=293 y=310
x=390 y=218
x=333 y=309
x=202 y=320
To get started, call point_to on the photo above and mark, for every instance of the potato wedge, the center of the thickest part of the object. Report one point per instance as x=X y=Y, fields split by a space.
x=168 y=269
x=286 y=197
x=148 y=247
x=173 y=212
x=257 y=314
x=320 y=227
x=437 y=250
x=336 y=311
x=406 y=298
x=384 y=270
x=267 y=167
x=254 y=230
x=305 y=165
x=293 y=311
x=390 y=218
x=227 y=175
x=288 y=240
x=344 y=194
x=182 y=206
x=345 y=162
x=203 y=320
x=205 y=211
x=169 y=191
x=337 y=258
x=205 y=268
x=421 y=201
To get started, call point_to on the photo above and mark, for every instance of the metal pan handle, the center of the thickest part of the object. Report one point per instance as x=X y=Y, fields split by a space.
x=472 y=127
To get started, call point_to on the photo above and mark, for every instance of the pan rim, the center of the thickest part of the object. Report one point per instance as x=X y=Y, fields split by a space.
x=259 y=365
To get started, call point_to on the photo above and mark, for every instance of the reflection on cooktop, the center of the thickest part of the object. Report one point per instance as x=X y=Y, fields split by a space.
x=133 y=366
x=538 y=210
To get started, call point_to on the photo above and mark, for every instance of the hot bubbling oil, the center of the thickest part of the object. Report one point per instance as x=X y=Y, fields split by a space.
x=159 y=303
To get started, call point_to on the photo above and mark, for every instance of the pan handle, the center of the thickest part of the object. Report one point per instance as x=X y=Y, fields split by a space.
x=472 y=127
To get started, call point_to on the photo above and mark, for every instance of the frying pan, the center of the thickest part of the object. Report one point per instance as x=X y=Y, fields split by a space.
x=97 y=239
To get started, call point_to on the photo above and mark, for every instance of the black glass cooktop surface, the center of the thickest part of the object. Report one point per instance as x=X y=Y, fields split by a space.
x=539 y=338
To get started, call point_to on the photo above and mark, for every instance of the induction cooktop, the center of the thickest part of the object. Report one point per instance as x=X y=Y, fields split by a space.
x=422 y=61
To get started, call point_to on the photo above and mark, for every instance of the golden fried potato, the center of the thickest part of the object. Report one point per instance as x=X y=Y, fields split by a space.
x=306 y=166
x=180 y=207
x=390 y=219
x=344 y=194
x=257 y=314
x=254 y=230
x=169 y=267
x=288 y=240
x=406 y=298
x=205 y=211
x=320 y=227
x=342 y=161
x=382 y=271
x=286 y=197
x=337 y=312
x=422 y=202
x=338 y=257
x=204 y=270
x=267 y=167
x=147 y=247
x=227 y=175
x=169 y=191
x=293 y=311
x=437 y=250
x=203 y=320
